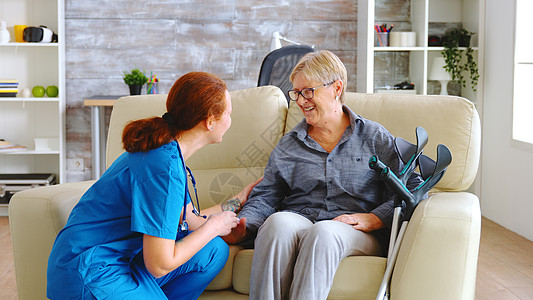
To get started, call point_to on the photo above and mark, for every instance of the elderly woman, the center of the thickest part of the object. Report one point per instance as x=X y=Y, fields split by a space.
x=319 y=202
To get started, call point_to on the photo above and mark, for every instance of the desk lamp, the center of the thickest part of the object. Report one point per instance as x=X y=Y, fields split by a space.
x=439 y=73
x=276 y=41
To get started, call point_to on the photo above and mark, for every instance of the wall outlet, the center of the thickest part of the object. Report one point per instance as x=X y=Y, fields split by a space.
x=75 y=164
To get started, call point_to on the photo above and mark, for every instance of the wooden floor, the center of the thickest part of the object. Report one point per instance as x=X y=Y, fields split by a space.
x=505 y=268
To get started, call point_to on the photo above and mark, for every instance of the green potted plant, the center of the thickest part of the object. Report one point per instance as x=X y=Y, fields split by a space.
x=135 y=80
x=456 y=44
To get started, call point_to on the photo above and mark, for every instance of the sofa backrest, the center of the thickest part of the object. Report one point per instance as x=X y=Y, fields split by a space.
x=220 y=170
x=260 y=118
x=449 y=120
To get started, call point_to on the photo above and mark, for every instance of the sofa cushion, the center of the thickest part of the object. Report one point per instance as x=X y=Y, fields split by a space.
x=449 y=120
x=223 y=279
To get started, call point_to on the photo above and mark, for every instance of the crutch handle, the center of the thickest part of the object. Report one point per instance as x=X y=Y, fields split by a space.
x=392 y=181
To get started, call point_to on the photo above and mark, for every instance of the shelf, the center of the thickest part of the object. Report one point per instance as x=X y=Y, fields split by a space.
x=24 y=119
x=30 y=45
x=431 y=48
x=29 y=152
x=385 y=49
x=382 y=66
x=33 y=99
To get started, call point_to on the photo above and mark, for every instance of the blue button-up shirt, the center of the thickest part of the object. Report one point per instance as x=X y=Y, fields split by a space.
x=303 y=178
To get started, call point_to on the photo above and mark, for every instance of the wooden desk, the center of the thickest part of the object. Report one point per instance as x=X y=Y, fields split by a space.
x=98 y=132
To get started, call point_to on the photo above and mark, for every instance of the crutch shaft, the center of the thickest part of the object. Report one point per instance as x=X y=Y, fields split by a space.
x=390 y=264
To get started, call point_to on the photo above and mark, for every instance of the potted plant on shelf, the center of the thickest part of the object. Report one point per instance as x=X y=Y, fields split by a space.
x=456 y=44
x=135 y=80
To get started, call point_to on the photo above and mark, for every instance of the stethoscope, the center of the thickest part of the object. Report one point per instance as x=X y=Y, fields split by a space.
x=183 y=227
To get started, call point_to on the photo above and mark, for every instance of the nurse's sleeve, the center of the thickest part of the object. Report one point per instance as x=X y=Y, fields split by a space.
x=157 y=203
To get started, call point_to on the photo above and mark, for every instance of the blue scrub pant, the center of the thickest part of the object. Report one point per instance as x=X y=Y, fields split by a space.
x=187 y=281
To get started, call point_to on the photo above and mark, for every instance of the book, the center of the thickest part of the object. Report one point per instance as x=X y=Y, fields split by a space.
x=8 y=85
x=6 y=146
x=9 y=81
x=8 y=94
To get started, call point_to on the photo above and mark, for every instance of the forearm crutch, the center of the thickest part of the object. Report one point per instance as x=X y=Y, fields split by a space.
x=431 y=173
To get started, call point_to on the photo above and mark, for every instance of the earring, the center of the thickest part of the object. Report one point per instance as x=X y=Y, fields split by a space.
x=210 y=128
x=337 y=98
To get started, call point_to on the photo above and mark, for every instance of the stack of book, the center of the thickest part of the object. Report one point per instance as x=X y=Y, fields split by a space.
x=6 y=146
x=9 y=87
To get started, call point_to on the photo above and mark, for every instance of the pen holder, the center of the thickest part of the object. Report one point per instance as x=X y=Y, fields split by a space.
x=381 y=39
x=152 y=88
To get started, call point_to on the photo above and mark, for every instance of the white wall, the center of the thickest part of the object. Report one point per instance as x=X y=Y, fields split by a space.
x=506 y=165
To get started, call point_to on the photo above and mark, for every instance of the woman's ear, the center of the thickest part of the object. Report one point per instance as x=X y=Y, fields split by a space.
x=209 y=123
x=339 y=85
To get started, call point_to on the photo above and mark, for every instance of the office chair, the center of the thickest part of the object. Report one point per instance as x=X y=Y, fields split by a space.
x=278 y=64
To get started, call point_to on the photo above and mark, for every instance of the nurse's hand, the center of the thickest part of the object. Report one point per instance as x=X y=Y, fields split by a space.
x=237 y=234
x=222 y=222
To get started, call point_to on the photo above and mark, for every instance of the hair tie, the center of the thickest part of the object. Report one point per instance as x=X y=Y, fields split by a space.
x=168 y=118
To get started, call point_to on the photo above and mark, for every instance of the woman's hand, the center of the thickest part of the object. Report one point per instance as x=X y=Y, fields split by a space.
x=243 y=195
x=222 y=222
x=237 y=234
x=365 y=222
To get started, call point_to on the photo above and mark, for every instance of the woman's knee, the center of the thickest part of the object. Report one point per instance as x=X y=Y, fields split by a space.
x=325 y=233
x=282 y=226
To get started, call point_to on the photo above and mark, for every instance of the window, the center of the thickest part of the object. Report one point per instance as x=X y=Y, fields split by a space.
x=523 y=73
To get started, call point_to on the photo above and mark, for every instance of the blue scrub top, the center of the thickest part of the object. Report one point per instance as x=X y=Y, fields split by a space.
x=141 y=193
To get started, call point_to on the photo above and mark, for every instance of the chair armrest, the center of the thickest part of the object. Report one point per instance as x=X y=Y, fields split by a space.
x=438 y=255
x=35 y=218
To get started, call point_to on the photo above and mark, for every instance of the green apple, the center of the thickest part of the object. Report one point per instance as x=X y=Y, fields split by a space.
x=38 y=91
x=52 y=91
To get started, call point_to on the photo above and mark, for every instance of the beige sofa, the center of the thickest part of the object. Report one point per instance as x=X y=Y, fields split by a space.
x=438 y=256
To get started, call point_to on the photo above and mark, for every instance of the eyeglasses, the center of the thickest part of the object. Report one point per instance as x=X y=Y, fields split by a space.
x=184 y=227
x=307 y=93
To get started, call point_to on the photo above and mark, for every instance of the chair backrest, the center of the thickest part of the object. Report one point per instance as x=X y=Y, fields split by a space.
x=278 y=64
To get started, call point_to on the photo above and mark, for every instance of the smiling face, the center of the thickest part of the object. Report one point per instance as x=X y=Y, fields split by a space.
x=323 y=106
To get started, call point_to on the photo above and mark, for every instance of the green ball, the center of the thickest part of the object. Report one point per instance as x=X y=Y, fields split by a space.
x=38 y=91
x=52 y=91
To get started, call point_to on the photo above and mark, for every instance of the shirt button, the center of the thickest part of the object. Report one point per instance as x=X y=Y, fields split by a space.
x=174 y=156
x=329 y=160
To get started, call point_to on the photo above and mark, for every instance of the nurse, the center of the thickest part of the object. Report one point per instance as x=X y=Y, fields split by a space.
x=135 y=233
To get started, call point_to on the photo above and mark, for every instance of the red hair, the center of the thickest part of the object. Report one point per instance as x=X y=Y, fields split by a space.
x=192 y=99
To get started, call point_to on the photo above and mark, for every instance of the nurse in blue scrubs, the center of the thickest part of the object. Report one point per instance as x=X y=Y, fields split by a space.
x=135 y=234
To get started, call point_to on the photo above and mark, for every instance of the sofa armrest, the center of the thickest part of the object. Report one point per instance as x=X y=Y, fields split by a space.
x=35 y=218
x=439 y=252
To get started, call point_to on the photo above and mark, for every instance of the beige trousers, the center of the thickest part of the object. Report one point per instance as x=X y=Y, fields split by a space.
x=297 y=259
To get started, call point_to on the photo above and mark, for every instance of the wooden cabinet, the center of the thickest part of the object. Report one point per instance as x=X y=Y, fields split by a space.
x=376 y=65
x=25 y=119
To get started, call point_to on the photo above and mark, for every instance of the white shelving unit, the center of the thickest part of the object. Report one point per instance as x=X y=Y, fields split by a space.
x=31 y=64
x=422 y=14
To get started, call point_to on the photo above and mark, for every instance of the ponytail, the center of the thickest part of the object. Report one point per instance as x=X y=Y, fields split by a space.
x=192 y=99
